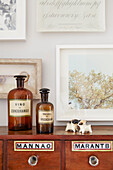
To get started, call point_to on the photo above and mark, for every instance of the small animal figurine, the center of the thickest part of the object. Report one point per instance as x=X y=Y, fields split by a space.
x=85 y=128
x=72 y=125
x=82 y=122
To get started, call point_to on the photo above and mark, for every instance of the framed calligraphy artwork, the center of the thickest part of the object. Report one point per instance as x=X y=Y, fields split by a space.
x=71 y=15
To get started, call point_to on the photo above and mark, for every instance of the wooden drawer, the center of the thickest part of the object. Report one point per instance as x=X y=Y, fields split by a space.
x=48 y=160
x=80 y=160
x=1 y=155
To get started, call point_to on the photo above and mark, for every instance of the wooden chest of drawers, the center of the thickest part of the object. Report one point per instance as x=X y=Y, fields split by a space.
x=62 y=157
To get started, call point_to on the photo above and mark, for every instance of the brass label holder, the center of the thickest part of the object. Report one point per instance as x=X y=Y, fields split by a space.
x=33 y=145
x=79 y=146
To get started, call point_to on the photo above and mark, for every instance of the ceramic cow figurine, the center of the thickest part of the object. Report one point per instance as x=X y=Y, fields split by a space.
x=72 y=125
x=78 y=126
x=83 y=127
x=82 y=122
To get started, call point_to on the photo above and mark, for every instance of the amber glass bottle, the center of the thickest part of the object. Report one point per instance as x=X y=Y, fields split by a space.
x=20 y=106
x=44 y=113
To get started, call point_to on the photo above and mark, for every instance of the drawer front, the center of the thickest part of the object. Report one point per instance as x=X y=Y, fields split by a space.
x=82 y=160
x=1 y=155
x=47 y=160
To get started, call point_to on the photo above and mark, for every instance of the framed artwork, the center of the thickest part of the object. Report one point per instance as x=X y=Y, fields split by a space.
x=70 y=15
x=12 y=19
x=84 y=82
x=29 y=67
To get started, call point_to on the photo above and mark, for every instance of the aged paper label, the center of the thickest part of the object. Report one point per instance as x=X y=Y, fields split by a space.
x=45 y=116
x=20 y=108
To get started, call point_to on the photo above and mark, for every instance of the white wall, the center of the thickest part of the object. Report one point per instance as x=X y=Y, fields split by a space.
x=42 y=45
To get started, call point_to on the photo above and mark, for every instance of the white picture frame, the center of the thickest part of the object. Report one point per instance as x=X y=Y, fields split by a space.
x=85 y=57
x=13 y=20
x=70 y=16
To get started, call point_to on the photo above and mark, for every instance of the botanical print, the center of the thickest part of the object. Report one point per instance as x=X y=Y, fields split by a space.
x=7 y=15
x=90 y=82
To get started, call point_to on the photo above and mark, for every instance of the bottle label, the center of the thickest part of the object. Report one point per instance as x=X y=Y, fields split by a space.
x=19 y=108
x=45 y=116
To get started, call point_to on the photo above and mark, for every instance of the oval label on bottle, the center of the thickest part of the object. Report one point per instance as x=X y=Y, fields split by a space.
x=91 y=145
x=33 y=145
x=45 y=116
x=19 y=107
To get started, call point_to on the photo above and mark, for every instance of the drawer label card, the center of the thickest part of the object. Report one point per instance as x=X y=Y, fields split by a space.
x=91 y=146
x=33 y=145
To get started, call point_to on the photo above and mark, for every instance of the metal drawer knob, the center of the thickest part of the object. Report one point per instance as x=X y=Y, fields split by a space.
x=33 y=160
x=93 y=161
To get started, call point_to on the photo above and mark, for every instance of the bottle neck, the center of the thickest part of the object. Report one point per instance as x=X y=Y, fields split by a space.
x=20 y=83
x=44 y=97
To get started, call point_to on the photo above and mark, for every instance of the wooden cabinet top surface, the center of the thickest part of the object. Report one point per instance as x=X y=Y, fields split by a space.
x=99 y=133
